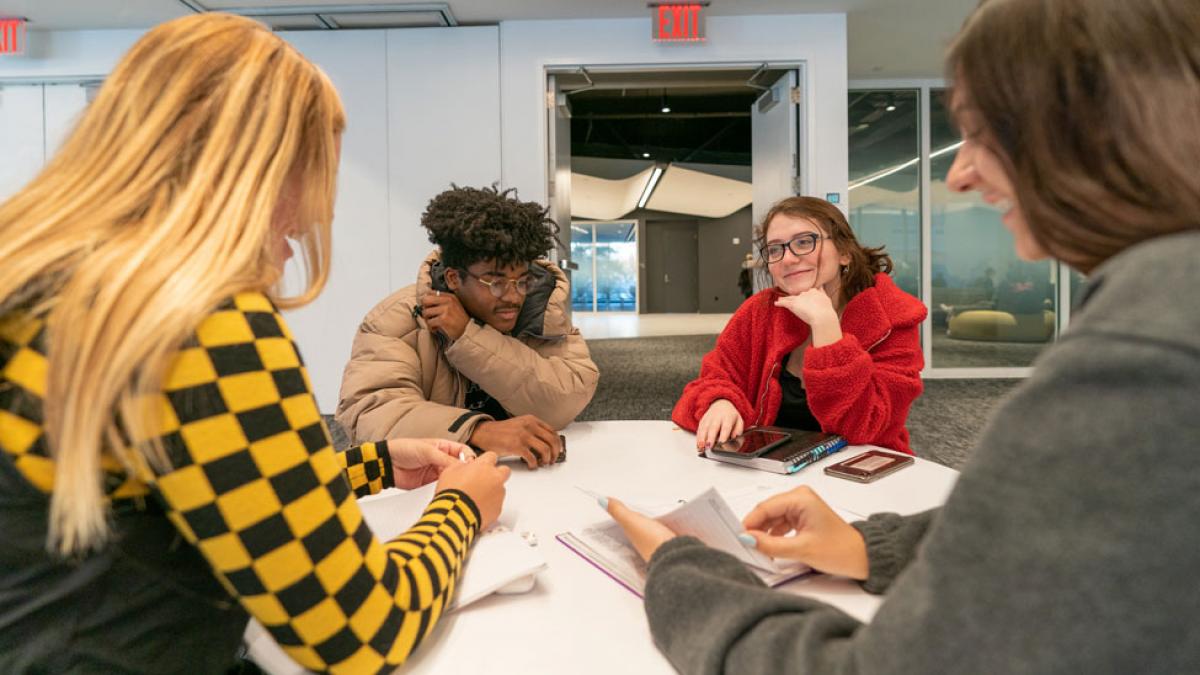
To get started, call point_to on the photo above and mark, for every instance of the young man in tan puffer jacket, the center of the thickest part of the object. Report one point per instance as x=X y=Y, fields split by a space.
x=480 y=350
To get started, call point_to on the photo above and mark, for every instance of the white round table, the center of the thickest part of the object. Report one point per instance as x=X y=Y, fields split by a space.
x=576 y=619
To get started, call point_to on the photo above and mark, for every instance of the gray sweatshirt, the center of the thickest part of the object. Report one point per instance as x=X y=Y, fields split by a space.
x=1071 y=543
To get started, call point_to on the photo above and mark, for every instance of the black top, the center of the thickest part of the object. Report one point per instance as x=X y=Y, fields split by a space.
x=479 y=400
x=794 y=412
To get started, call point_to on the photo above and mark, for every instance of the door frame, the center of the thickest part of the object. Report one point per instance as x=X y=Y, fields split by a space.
x=550 y=103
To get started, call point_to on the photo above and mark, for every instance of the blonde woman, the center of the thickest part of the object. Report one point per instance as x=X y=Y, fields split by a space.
x=164 y=471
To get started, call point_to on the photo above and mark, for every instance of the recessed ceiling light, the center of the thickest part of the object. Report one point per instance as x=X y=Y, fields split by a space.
x=665 y=109
x=646 y=155
x=890 y=108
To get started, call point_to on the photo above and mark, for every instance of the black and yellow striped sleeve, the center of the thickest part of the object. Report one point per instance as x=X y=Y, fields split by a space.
x=258 y=489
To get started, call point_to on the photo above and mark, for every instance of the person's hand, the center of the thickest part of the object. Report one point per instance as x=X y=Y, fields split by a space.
x=645 y=533
x=418 y=461
x=720 y=423
x=483 y=482
x=812 y=306
x=818 y=537
x=526 y=437
x=443 y=312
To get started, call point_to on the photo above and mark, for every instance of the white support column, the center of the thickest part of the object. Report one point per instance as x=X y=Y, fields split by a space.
x=926 y=233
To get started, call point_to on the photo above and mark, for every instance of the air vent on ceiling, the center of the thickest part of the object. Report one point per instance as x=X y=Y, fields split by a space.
x=335 y=17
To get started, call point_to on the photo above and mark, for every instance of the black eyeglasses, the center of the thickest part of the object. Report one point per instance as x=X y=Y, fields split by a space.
x=499 y=286
x=799 y=246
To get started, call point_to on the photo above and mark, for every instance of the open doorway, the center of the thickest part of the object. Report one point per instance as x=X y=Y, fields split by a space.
x=673 y=164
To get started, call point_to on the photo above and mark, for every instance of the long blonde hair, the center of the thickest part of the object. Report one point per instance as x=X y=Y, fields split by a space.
x=158 y=206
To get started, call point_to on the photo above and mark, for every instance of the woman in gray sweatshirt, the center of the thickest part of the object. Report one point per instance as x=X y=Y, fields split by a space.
x=1071 y=542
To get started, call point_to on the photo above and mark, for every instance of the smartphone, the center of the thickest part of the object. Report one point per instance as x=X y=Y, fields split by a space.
x=752 y=443
x=869 y=466
x=562 y=456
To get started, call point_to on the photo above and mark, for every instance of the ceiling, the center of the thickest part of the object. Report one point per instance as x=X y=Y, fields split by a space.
x=887 y=38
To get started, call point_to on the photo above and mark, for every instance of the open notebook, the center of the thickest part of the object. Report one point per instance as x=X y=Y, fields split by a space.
x=712 y=517
x=500 y=561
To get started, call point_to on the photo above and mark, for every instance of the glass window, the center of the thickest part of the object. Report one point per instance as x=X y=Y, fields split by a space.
x=606 y=253
x=885 y=177
x=990 y=309
x=582 y=288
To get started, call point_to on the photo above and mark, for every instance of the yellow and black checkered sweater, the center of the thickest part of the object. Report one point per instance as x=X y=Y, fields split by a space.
x=257 y=488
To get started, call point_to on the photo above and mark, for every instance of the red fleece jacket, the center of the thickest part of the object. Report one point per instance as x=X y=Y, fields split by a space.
x=860 y=386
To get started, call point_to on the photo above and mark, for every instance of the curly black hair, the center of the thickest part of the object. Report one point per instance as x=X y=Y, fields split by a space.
x=473 y=224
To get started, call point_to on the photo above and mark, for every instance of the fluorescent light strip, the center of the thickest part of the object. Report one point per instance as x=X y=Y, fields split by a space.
x=900 y=167
x=650 y=185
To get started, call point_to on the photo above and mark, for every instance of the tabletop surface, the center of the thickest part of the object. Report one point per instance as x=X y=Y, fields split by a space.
x=578 y=620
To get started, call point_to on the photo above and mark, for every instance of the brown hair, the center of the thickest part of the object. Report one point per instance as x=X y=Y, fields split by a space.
x=865 y=263
x=1094 y=107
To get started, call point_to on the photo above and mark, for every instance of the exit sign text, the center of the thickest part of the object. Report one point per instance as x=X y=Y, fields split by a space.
x=682 y=22
x=12 y=36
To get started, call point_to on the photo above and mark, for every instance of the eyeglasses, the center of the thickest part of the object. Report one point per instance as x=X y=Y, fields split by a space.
x=499 y=287
x=799 y=246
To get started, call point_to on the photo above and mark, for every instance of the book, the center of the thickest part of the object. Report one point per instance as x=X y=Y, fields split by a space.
x=709 y=516
x=802 y=449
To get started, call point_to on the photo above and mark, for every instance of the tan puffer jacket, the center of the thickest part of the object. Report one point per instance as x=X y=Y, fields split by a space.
x=402 y=381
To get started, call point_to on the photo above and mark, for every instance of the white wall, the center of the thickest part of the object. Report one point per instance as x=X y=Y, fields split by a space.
x=527 y=47
x=70 y=54
x=358 y=279
x=34 y=121
x=444 y=109
x=64 y=105
x=21 y=136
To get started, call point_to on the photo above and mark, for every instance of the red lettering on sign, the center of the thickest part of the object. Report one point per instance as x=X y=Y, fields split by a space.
x=678 y=22
x=10 y=36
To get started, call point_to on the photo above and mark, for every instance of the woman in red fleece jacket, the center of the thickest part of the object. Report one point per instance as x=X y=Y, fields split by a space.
x=834 y=346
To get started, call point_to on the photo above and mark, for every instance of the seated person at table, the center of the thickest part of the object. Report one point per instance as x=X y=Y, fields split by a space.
x=480 y=349
x=1069 y=542
x=164 y=472
x=834 y=346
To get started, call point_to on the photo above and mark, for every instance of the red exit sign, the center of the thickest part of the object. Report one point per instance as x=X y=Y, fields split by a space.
x=12 y=36
x=678 y=22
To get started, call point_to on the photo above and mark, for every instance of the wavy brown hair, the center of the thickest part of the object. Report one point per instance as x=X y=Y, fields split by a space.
x=865 y=262
x=1094 y=108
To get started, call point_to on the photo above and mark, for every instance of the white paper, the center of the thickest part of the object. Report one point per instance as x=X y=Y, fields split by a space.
x=499 y=556
x=712 y=517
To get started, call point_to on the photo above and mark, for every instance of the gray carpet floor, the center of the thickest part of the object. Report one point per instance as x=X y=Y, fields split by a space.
x=641 y=378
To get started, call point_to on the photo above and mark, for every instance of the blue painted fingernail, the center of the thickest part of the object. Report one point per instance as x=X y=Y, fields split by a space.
x=603 y=502
x=747 y=540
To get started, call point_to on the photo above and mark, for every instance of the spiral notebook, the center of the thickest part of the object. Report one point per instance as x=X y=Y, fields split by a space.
x=801 y=450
